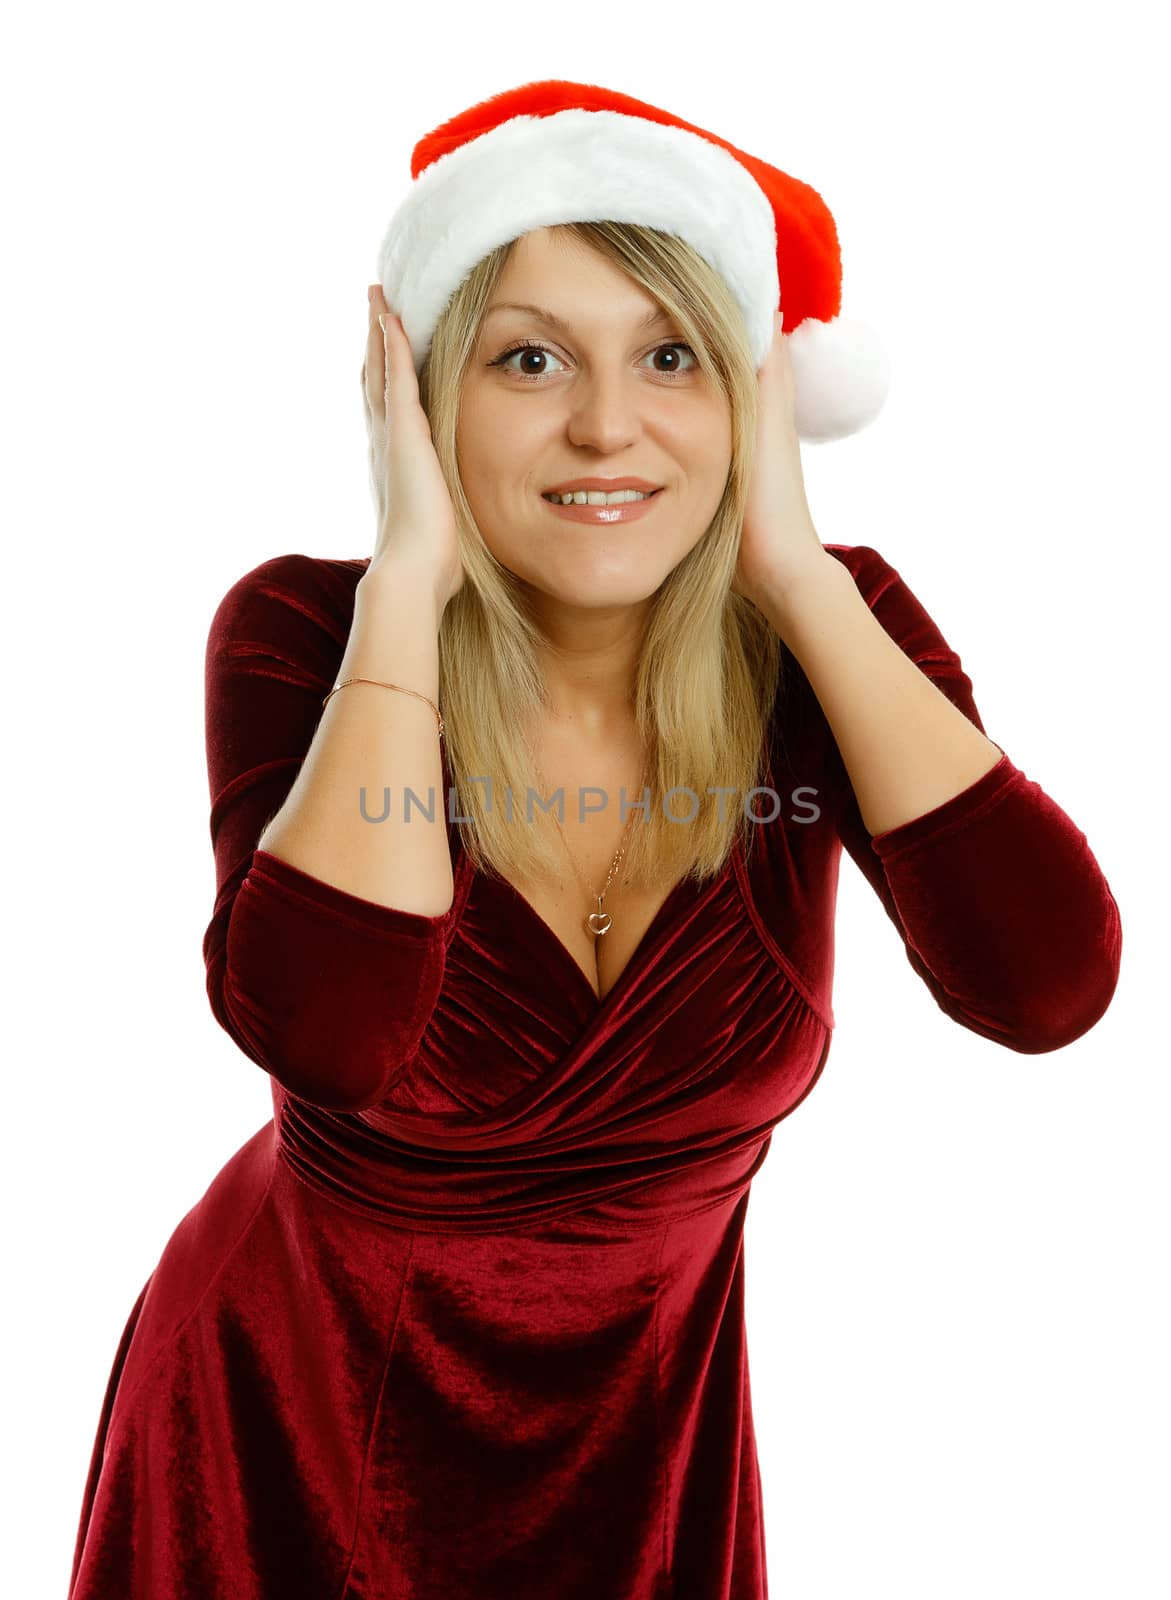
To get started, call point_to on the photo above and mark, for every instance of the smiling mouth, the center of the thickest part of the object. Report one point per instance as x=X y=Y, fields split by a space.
x=595 y=497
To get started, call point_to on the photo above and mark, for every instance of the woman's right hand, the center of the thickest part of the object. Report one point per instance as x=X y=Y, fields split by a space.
x=416 y=519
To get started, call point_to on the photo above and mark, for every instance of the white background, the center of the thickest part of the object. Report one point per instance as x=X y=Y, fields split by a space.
x=957 y=1255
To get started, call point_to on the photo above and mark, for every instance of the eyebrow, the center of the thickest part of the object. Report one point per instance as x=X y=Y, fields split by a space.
x=656 y=314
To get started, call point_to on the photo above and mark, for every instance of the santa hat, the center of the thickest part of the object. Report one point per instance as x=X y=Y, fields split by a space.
x=554 y=152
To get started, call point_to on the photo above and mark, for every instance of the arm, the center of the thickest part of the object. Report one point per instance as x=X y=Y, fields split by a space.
x=326 y=949
x=1001 y=906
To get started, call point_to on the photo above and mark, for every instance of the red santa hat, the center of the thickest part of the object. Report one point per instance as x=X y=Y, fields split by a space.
x=554 y=152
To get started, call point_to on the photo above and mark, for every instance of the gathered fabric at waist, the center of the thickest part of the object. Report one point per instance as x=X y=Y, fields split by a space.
x=604 y=1185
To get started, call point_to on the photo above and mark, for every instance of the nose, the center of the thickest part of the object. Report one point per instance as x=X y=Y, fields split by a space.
x=605 y=414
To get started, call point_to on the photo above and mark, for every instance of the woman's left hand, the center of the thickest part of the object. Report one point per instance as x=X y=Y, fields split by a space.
x=779 y=542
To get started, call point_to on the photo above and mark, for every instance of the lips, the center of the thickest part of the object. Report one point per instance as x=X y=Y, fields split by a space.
x=590 y=485
x=555 y=494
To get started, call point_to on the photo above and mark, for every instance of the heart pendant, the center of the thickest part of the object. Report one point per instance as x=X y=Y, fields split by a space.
x=598 y=921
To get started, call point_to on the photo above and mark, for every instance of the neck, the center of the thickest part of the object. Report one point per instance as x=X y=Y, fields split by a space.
x=589 y=661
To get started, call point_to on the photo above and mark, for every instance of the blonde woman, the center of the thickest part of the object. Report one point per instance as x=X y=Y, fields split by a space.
x=465 y=1319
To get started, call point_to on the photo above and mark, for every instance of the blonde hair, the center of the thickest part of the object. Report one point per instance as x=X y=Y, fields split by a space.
x=709 y=666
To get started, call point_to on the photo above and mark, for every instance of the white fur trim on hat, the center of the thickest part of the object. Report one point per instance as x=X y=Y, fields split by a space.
x=577 y=166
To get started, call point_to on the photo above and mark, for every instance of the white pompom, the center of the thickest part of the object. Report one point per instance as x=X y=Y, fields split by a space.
x=841 y=374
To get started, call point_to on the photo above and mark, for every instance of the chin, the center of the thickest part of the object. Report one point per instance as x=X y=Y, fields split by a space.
x=610 y=589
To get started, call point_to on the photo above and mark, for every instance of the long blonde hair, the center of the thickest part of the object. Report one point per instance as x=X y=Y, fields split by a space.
x=709 y=667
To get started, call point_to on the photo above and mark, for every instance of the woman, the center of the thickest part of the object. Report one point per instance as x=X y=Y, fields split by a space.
x=466 y=1318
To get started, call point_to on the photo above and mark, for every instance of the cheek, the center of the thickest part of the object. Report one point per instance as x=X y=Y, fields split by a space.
x=493 y=452
x=699 y=438
x=713 y=440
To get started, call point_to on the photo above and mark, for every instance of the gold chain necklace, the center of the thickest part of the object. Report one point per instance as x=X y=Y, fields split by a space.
x=599 y=921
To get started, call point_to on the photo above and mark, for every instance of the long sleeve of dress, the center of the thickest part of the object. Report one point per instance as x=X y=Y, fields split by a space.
x=328 y=992
x=1001 y=906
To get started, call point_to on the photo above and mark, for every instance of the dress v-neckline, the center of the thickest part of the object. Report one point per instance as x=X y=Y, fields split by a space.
x=596 y=1005
x=597 y=1002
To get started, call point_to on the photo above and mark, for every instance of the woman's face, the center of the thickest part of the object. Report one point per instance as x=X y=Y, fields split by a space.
x=609 y=395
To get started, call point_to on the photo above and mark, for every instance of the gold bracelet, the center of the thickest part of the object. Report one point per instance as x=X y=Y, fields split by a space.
x=397 y=686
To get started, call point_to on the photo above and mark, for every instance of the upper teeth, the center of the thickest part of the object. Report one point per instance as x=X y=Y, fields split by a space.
x=595 y=497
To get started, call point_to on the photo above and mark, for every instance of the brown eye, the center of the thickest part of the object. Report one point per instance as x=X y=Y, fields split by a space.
x=531 y=366
x=669 y=350
x=532 y=362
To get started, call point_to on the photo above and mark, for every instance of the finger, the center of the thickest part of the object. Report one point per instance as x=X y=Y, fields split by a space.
x=374 y=372
x=389 y=358
x=371 y=375
x=400 y=383
x=383 y=321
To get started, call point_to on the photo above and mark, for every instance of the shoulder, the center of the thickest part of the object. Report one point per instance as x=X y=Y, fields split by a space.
x=869 y=569
x=877 y=581
x=894 y=603
x=289 y=592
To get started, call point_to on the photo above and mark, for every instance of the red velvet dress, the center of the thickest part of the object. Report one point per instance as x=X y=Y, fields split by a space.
x=465 y=1319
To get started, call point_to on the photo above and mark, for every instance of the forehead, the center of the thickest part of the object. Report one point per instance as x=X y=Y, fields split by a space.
x=567 y=321
x=564 y=283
